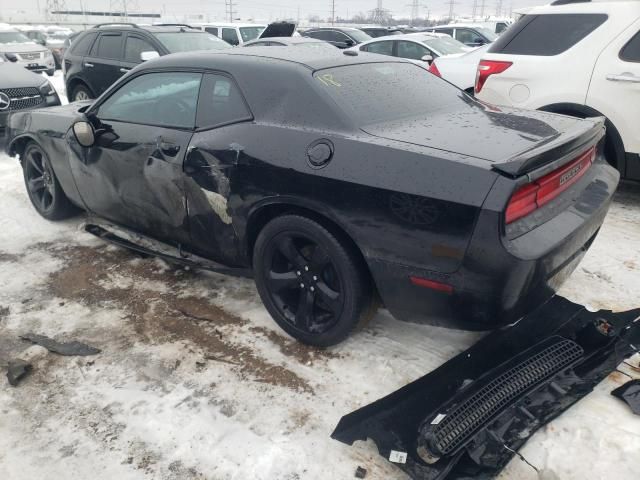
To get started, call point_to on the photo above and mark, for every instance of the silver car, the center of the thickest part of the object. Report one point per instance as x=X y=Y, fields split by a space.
x=17 y=48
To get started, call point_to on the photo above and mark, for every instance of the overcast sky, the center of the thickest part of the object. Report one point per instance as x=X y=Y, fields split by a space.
x=267 y=9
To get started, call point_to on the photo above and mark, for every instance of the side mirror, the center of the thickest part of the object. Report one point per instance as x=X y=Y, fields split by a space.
x=427 y=58
x=150 y=55
x=349 y=43
x=83 y=131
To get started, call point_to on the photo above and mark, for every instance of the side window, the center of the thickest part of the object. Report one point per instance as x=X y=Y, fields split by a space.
x=411 y=50
x=82 y=45
x=211 y=30
x=230 y=35
x=109 y=45
x=166 y=99
x=220 y=102
x=383 y=48
x=448 y=31
x=547 y=35
x=468 y=36
x=134 y=46
x=319 y=35
x=337 y=37
x=631 y=51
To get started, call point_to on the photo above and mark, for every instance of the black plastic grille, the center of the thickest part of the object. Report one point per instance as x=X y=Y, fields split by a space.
x=21 y=98
x=465 y=418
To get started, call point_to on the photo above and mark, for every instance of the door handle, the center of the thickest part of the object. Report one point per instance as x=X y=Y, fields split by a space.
x=89 y=65
x=124 y=70
x=624 y=77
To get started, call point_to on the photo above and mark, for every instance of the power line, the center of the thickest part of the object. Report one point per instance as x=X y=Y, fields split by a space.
x=499 y=8
x=333 y=12
x=452 y=4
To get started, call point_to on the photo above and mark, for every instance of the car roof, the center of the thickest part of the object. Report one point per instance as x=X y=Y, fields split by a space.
x=313 y=59
x=415 y=36
x=458 y=25
x=226 y=25
x=348 y=29
x=148 y=28
x=286 y=40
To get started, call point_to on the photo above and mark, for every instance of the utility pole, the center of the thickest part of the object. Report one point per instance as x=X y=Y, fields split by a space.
x=475 y=9
x=415 y=11
x=483 y=5
x=499 y=8
x=452 y=4
x=230 y=9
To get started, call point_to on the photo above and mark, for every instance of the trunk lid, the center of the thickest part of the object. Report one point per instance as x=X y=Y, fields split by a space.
x=511 y=141
x=279 y=29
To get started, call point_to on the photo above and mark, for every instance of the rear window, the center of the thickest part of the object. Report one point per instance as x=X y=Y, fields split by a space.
x=392 y=91
x=547 y=35
x=190 y=41
x=250 y=33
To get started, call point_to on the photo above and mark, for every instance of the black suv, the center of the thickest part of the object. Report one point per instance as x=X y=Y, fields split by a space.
x=340 y=37
x=102 y=54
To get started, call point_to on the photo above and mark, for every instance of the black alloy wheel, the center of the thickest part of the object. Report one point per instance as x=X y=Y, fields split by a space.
x=309 y=281
x=43 y=188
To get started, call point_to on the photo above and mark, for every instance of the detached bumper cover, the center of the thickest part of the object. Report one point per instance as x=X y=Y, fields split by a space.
x=468 y=417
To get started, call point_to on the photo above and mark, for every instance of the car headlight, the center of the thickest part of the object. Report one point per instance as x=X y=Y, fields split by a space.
x=46 y=89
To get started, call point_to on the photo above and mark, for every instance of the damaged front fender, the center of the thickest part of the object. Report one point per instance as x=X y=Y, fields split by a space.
x=468 y=417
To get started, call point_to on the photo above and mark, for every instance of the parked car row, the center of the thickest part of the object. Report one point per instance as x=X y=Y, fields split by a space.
x=16 y=47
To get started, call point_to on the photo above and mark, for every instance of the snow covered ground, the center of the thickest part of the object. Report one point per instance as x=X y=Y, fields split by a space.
x=196 y=382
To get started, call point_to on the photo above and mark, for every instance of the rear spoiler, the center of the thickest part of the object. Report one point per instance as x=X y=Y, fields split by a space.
x=569 y=143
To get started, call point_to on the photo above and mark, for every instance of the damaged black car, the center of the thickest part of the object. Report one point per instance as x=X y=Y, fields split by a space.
x=334 y=180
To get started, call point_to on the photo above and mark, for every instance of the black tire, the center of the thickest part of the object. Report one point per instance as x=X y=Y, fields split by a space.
x=43 y=188
x=81 y=92
x=312 y=283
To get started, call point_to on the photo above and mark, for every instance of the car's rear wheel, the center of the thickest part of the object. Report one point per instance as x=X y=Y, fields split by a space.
x=80 y=93
x=312 y=283
x=43 y=187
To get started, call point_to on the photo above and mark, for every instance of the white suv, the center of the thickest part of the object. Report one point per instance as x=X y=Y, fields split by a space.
x=579 y=59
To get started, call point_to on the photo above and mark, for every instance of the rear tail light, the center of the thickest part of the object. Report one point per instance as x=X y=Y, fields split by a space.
x=534 y=195
x=434 y=69
x=486 y=68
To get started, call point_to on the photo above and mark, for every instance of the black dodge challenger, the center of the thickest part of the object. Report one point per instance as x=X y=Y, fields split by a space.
x=335 y=180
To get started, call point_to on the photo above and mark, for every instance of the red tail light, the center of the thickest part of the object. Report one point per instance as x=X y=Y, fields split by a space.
x=434 y=69
x=534 y=195
x=486 y=68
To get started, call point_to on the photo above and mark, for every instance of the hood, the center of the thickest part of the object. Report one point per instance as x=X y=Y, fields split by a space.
x=16 y=76
x=279 y=29
x=473 y=129
x=21 y=47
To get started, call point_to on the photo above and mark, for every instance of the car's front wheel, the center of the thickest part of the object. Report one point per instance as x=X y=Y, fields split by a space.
x=43 y=187
x=81 y=93
x=312 y=283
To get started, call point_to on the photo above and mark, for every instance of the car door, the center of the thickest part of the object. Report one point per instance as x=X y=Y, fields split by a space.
x=615 y=91
x=103 y=64
x=133 y=174
x=133 y=47
x=213 y=167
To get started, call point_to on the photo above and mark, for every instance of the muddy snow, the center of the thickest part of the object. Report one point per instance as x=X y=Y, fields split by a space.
x=195 y=381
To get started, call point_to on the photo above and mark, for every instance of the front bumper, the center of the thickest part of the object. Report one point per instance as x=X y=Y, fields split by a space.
x=500 y=280
x=48 y=101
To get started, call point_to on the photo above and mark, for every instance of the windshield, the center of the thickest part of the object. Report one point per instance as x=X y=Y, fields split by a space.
x=488 y=34
x=190 y=41
x=444 y=45
x=58 y=37
x=250 y=33
x=358 y=35
x=393 y=91
x=14 y=37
